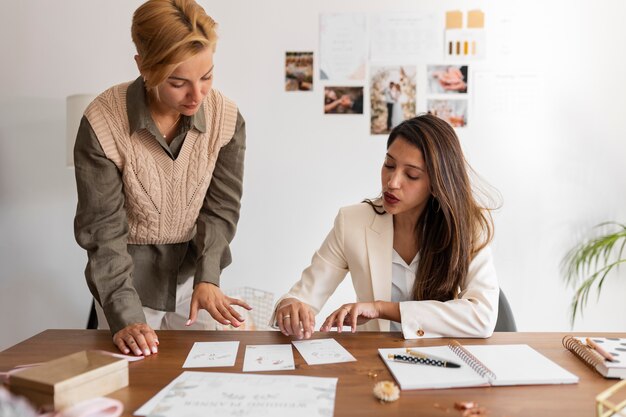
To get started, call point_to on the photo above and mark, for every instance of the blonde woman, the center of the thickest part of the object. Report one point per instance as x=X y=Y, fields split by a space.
x=159 y=169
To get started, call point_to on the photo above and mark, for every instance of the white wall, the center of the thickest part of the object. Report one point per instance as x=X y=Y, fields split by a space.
x=555 y=161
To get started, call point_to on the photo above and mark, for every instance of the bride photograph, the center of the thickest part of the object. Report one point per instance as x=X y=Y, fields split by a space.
x=392 y=97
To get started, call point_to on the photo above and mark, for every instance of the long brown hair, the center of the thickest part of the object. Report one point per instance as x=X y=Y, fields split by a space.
x=454 y=226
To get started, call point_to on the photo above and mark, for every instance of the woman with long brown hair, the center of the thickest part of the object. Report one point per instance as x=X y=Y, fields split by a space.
x=418 y=256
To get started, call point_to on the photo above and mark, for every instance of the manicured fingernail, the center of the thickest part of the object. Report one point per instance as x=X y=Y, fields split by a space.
x=138 y=352
x=156 y=341
x=146 y=352
x=188 y=322
x=126 y=351
x=154 y=349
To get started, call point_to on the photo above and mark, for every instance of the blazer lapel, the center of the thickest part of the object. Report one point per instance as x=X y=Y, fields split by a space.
x=379 y=236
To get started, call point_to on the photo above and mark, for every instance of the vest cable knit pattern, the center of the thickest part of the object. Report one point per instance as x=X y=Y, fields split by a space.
x=163 y=197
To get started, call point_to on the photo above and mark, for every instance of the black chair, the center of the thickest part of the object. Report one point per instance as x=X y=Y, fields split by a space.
x=92 y=321
x=506 y=321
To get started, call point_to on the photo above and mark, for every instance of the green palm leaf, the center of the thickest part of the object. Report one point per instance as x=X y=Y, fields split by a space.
x=588 y=264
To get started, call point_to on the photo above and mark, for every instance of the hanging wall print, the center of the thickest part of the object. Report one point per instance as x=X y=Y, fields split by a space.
x=343 y=100
x=447 y=79
x=343 y=46
x=452 y=111
x=465 y=43
x=392 y=97
x=298 y=71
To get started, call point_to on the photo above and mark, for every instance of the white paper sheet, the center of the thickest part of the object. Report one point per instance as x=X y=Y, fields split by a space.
x=212 y=354
x=507 y=97
x=268 y=358
x=147 y=408
x=320 y=351
x=405 y=37
x=223 y=394
x=343 y=46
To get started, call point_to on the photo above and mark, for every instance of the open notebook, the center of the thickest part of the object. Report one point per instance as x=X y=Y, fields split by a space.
x=481 y=365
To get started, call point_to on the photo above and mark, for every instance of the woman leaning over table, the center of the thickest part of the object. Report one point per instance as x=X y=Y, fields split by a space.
x=418 y=257
x=159 y=169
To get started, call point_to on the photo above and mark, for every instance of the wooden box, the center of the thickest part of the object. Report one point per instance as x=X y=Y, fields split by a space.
x=63 y=382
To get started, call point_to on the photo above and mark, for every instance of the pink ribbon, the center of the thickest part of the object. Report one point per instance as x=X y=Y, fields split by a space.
x=95 y=407
x=4 y=376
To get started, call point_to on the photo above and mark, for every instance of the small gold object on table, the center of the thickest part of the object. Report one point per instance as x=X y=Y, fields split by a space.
x=606 y=408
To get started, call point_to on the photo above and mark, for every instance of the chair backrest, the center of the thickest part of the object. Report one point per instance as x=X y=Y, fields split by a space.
x=262 y=303
x=506 y=321
x=92 y=321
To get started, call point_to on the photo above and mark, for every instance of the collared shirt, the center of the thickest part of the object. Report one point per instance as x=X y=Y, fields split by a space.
x=139 y=117
x=402 y=280
x=123 y=277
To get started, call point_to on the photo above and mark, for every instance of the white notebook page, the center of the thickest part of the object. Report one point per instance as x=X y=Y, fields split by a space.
x=520 y=365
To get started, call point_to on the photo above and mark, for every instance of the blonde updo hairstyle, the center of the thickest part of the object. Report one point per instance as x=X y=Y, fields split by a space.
x=168 y=32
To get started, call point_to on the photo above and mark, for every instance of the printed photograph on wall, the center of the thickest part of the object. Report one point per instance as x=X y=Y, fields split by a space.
x=298 y=71
x=452 y=111
x=343 y=100
x=447 y=79
x=392 y=97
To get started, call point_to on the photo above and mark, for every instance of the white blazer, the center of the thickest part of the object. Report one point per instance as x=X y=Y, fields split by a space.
x=361 y=242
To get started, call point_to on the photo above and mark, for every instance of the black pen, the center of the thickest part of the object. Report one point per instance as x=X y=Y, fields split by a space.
x=422 y=360
x=423 y=355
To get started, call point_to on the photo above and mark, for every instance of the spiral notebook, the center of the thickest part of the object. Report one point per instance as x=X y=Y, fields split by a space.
x=614 y=345
x=481 y=365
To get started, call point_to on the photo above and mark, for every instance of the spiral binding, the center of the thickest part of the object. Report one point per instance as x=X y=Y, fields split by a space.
x=579 y=349
x=472 y=361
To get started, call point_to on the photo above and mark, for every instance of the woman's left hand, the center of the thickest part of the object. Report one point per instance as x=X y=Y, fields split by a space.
x=351 y=315
x=220 y=306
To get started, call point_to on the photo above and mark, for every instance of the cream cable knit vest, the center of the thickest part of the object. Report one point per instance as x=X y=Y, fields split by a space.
x=163 y=197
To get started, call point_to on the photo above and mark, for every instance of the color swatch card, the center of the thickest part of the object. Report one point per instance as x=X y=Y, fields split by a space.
x=268 y=358
x=465 y=43
x=320 y=351
x=212 y=354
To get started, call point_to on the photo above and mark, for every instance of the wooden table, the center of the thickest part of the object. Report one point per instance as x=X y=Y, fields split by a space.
x=354 y=389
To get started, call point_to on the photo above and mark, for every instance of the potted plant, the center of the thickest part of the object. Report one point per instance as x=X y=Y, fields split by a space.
x=587 y=264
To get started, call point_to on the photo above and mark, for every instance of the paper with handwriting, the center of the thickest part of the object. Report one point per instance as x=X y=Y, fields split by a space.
x=212 y=354
x=225 y=394
x=268 y=358
x=320 y=351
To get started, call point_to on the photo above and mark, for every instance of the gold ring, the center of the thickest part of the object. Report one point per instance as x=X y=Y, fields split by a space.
x=286 y=316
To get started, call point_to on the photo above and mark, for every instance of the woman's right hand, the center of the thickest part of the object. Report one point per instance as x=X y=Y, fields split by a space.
x=295 y=318
x=138 y=338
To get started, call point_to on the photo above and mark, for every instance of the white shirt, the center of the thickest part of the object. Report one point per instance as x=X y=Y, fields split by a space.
x=402 y=280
